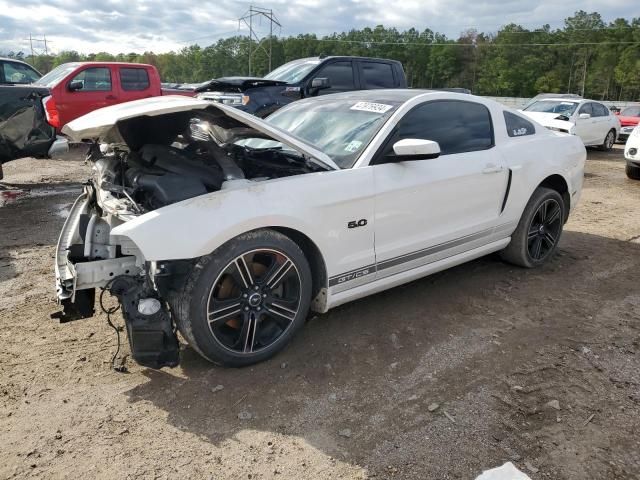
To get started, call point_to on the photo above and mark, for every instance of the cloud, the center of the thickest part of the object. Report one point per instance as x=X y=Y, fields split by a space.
x=162 y=25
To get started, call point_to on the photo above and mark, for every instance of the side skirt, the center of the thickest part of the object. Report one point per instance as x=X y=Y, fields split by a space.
x=404 y=277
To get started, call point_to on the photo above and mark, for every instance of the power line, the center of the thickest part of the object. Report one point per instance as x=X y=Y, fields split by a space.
x=488 y=44
x=247 y=18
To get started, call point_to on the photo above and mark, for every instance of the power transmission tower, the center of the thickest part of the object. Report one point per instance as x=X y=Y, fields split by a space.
x=247 y=18
x=41 y=46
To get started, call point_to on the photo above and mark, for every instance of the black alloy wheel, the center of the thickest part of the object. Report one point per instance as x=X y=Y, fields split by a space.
x=545 y=229
x=254 y=301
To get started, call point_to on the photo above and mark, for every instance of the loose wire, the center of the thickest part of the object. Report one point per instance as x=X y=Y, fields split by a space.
x=110 y=311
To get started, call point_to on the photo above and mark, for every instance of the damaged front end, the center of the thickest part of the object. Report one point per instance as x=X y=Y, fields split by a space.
x=145 y=156
x=88 y=257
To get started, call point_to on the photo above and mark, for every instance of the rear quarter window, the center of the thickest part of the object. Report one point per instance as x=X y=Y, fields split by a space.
x=377 y=75
x=518 y=126
x=133 y=79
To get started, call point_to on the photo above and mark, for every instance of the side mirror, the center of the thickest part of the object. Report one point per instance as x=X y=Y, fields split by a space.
x=318 y=84
x=415 y=149
x=76 y=85
x=584 y=116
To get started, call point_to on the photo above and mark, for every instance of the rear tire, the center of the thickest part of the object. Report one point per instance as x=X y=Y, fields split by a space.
x=536 y=237
x=633 y=171
x=609 y=140
x=244 y=302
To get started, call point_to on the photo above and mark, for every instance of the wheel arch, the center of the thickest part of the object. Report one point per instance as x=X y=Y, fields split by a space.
x=316 y=263
x=559 y=184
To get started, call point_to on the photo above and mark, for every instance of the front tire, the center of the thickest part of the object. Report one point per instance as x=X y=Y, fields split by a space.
x=609 y=140
x=536 y=237
x=243 y=303
x=632 y=171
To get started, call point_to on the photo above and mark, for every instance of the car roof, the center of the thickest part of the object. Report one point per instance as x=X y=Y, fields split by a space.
x=390 y=94
x=6 y=59
x=349 y=57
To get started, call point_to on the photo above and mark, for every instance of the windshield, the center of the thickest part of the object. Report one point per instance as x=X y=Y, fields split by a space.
x=553 y=106
x=14 y=72
x=52 y=78
x=340 y=128
x=631 y=112
x=292 y=72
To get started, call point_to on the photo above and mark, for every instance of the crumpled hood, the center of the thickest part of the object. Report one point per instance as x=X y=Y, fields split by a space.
x=548 y=119
x=237 y=84
x=101 y=125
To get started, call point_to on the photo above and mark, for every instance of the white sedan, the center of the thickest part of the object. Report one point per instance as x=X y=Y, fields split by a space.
x=591 y=121
x=231 y=228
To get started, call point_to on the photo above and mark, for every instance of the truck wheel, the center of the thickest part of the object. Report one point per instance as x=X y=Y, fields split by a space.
x=244 y=302
x=536 y=237
x=633 y=171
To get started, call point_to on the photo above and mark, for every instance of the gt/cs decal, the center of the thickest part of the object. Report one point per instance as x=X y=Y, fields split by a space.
x=353 y=275
x=357 y=223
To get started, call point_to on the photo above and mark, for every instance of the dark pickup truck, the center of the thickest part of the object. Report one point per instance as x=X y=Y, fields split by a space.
x=24 y=127
x=306 y=77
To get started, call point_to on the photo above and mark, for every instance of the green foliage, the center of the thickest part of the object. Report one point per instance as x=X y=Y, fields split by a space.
x=601 y=60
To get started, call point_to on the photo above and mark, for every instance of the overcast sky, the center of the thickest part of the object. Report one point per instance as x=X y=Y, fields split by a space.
x=162 y=25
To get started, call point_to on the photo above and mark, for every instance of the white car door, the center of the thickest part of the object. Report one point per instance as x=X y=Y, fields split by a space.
x=602 y=121
x=586 y=128
x=430 y=209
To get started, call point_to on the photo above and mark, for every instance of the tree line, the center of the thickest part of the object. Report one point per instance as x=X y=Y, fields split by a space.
x=586 y=56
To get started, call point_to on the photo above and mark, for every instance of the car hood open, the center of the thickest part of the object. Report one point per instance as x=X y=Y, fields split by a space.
x=549 y=119
x=237 y=83
x=102 y=124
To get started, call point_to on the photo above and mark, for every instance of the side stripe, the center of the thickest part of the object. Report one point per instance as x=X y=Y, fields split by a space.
x=409 y=257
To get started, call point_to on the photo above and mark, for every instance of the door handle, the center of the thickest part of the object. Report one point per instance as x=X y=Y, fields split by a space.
x=492 y=168
x=110 y=97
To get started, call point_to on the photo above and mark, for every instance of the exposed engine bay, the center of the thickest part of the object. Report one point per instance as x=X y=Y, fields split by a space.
x=175 y=157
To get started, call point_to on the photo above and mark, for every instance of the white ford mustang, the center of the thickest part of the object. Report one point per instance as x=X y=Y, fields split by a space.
x=230 y=228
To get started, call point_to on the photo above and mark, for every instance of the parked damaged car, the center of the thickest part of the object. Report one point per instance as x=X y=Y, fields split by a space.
x=25 y=128
x=229 y=228
x=303 y=78
x=592 y=121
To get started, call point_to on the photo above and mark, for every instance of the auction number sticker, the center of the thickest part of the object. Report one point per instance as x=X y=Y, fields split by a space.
x=372 y=107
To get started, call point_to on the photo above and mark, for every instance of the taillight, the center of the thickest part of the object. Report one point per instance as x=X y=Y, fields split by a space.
x=51 y=111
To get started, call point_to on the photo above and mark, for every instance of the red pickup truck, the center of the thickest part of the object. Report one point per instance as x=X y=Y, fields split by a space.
x=81 y=87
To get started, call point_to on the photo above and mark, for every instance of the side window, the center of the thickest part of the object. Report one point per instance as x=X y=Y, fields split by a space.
x=377 y=75
x=96 y=79
x=19 y=73
x=340 y=74
x=133 y=79
x=458 y=126
x=518 y=126
x=599 y=110
x=586 y=108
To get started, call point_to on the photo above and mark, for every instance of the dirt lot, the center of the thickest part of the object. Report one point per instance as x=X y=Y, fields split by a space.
x=491 y=344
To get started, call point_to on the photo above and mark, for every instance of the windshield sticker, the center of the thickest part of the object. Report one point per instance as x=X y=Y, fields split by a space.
x=353 y=146
x=372 y=107
x=567 y=103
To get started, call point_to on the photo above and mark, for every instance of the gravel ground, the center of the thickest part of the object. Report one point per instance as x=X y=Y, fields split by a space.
x=439 y=379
